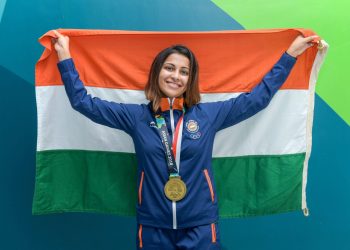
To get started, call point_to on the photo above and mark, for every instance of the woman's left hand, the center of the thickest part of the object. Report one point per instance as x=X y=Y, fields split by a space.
x=300 y=44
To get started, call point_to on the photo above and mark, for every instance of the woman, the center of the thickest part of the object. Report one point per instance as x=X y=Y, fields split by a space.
x=177 y=205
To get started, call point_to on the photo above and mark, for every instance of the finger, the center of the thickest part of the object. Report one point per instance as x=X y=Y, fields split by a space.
x=311 y=38
x=59 y=35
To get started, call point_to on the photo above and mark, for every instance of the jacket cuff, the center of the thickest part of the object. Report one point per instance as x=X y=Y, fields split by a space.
x=66 y=65
x=287 y=60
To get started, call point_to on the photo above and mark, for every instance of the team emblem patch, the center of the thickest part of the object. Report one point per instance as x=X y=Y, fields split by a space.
x=192 y=126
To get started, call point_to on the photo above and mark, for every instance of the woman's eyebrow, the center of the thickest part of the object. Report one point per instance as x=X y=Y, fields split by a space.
x=169 y=63
x=174 y=65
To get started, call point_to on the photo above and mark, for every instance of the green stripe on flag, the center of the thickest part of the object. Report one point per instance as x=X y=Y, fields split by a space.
x=105 y=182
x=85 y=181
x=258 y=185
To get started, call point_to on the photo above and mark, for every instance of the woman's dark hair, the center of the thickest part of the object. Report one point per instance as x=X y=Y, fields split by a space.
x=152 y=90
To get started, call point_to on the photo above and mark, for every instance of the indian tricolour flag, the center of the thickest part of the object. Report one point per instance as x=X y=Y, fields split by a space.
x=260 y=165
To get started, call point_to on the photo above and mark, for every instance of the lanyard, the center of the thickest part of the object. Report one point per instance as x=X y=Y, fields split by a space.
x=170 y=151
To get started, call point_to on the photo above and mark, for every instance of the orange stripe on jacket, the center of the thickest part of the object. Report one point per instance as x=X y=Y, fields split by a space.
x=213 y=233
x=140 y=236
x=231 y=61
x=209 y=184
x=140 y=187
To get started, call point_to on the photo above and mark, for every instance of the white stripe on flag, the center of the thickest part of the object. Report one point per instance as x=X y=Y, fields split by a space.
x=278 y=129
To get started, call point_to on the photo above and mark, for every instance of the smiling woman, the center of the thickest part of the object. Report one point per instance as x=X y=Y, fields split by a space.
x=174 y=73
x=175 y=211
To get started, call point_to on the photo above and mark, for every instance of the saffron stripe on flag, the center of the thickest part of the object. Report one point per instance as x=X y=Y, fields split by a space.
x=231 y=61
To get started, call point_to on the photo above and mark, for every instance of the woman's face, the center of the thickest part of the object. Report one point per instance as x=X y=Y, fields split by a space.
x=173 y=77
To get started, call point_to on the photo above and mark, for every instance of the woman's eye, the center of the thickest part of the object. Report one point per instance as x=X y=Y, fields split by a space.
x=184 y=73
x=169 y=68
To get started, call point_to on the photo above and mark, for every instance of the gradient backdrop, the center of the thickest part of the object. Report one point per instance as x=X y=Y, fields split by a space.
x=22 y=22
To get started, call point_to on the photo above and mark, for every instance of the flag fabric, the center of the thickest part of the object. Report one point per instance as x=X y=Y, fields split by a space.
x=260 y=165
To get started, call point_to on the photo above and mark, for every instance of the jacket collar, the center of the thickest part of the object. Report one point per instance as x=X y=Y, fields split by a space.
x=177 y=103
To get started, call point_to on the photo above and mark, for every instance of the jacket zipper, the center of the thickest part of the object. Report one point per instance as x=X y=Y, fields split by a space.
x=172 y=123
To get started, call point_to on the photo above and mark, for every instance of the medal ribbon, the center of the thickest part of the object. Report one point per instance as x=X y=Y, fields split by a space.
x=170 y=152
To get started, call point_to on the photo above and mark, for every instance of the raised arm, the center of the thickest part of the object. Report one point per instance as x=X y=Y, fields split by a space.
x=111 y=114
x=230 y=112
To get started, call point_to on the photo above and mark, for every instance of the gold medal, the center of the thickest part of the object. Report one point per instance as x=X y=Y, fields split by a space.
x=175 y=188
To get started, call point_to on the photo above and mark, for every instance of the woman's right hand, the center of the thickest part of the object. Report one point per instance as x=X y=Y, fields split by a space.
x=61 y=44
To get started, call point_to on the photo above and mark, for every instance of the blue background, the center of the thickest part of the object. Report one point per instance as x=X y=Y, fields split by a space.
x=23 y=22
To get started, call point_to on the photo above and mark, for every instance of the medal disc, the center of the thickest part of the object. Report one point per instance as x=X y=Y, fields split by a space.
x=175 y=189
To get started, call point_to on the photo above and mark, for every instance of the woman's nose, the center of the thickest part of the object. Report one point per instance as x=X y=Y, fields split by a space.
x=176 y=74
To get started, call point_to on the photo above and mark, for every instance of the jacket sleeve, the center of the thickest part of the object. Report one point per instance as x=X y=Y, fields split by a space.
x=228 y=113
x=111 y=114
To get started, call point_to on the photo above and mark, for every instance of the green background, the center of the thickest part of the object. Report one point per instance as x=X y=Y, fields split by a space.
x=329 y=19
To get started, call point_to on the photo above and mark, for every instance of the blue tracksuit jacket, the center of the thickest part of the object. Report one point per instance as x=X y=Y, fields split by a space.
x=199 y=206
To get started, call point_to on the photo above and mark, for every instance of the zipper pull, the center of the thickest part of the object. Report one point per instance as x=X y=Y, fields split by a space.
x=171 y=103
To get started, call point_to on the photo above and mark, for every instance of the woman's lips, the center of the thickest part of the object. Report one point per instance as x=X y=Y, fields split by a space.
x=173 y=85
